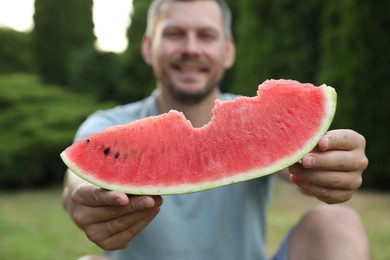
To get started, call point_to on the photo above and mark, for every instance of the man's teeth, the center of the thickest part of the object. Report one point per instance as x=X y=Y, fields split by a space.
x=189 y=69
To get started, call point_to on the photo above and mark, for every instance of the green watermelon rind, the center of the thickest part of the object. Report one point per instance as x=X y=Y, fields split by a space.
x=330 y=109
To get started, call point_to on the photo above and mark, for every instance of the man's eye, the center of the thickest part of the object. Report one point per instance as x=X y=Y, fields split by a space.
x=172 y=34
x=208 y=36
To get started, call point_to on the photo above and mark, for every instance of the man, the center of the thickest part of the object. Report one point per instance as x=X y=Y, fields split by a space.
x=189 y=45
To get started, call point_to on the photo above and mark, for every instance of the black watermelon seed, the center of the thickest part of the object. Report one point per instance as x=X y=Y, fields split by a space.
x=116 y=155
x=106 y=151
x=88 y=141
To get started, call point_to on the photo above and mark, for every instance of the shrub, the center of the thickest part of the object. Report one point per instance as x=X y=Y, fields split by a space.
x=16 y=54
x=38 y=121
x=92 y=71
x=60 y=27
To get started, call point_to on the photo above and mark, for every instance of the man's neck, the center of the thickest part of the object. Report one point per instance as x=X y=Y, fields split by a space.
x=199 y=113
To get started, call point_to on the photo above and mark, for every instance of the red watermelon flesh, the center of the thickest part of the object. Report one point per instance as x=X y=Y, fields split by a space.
x=246 y=138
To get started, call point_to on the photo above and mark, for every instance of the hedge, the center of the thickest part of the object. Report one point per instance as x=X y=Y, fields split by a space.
x=37 y=122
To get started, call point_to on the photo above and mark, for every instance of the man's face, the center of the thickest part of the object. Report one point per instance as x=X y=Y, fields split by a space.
x=188 y=50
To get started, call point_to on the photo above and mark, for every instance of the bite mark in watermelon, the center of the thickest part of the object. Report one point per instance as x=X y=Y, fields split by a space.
x=247 y=138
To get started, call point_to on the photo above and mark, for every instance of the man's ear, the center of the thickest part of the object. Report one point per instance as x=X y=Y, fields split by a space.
x=230 y=49
x=146 y=49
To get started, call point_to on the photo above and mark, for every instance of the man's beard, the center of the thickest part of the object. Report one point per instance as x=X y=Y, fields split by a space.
x=191 y=98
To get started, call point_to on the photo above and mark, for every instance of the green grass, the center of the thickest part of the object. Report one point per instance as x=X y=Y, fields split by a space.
x=33 y=224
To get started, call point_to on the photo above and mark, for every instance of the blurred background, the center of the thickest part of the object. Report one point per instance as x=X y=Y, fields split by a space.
x=62 y=60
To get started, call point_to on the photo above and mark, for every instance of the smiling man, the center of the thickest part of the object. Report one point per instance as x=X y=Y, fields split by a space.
x=189 y=58
x=189 y=46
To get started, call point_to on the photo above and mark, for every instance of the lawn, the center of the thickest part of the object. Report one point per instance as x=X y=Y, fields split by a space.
x=34 y=226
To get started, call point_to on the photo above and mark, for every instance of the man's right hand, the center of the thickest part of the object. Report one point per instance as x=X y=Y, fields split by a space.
x=109 y=219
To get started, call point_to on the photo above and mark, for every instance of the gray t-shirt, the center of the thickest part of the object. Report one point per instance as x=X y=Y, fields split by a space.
x=226 y=223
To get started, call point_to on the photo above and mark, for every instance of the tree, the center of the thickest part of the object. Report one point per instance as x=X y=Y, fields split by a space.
x=95 y=72
x=276 y=39
x=16 y=54
x=60 y=28
x=39 y=122
x=355 y=57
x=138 y=76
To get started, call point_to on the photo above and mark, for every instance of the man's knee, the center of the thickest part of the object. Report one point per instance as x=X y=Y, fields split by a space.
x=332 y=232
x=331 y=224
x=334 y=219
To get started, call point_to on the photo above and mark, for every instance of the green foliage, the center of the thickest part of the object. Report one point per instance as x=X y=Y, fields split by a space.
x=276 y=39
x=16 y=54
x=138 y=76
x=121 y=77
x=355 y=61
x=343 y=53
x=98 y=73
x=60 y=28
x=37 y=123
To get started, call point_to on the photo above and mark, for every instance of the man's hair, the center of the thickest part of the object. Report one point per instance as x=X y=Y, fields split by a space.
x=156 y=9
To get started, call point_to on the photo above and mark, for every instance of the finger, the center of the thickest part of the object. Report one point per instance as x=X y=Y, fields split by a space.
x=121 y=239
x=125 y=222
x=101 y=231
x=329 y=179
x=91 y=215
x=331 y=160
x=325 y=194
x=144 y=202
x=93 y=196
x=344 y=139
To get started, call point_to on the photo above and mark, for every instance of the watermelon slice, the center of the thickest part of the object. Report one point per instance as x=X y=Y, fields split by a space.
x=246 y=138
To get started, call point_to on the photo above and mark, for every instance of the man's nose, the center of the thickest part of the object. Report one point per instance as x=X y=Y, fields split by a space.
x=191 y=44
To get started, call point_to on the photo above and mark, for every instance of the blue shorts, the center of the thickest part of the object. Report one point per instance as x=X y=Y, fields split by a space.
x=282 y=253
